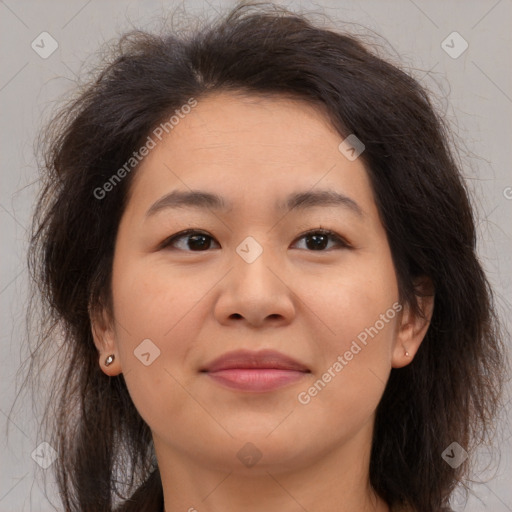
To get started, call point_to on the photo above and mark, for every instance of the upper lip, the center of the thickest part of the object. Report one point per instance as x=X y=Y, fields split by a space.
x=247 y=359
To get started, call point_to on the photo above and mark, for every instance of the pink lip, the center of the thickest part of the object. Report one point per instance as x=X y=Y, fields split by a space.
x=257 y=379
x=265 y=370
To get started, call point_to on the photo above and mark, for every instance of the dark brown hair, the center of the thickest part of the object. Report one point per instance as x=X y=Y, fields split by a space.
x=450 y=392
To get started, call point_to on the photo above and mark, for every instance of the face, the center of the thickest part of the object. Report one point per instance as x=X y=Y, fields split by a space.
x=313 y=280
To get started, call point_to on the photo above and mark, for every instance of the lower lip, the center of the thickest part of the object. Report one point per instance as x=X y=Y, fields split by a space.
x=264 y=379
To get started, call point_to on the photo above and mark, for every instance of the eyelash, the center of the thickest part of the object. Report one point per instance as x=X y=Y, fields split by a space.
x=341 y=242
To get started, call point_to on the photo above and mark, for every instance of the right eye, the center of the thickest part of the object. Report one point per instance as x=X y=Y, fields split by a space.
x=191 y=240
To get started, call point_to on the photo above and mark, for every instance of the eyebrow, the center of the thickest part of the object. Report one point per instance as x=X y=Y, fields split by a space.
x=297 y=200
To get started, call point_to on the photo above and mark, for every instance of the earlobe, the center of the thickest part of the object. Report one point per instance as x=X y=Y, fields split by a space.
x=109 y=365
x=413 y=325
x=104 y=339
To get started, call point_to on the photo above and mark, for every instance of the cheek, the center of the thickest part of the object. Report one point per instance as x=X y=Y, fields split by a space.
x=151 y=300
x=348 y=382
x=358 y=309
x=340 y=407
x=352 y=299
x=153 y=334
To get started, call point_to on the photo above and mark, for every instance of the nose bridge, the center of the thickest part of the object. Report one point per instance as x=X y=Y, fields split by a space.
x=251 y=265
x=253 y=290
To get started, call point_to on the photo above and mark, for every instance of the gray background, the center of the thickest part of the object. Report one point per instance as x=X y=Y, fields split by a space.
x=474 y=90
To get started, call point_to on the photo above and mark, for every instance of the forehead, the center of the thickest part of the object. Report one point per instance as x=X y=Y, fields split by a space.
x=252 y=126
x=251 y=145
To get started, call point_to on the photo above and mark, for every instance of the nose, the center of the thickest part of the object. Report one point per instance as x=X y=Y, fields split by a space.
x=255 y=293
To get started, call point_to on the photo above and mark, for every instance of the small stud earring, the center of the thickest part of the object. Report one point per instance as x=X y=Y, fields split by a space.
x=407 y=353
x=109 y=360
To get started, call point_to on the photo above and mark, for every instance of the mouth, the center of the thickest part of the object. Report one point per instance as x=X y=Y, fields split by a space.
x=261 y=371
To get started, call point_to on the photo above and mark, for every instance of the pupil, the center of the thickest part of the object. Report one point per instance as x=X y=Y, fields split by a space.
x=199 y=240
x=319 y=241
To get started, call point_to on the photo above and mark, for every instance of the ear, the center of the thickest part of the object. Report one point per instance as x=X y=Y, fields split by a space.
x=414 y=325
x=103 y=333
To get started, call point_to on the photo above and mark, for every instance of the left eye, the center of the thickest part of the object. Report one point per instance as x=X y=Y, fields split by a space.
x=197 y=241
x=318 y=239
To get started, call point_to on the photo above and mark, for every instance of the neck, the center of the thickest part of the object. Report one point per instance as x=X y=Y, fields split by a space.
x=338 y=480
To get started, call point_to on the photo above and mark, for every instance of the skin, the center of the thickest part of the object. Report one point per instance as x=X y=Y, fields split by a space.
x=309 y=304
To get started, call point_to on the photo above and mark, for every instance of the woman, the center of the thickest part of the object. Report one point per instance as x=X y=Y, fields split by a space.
x=260 y=253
